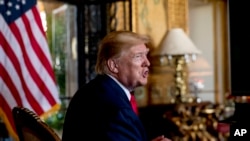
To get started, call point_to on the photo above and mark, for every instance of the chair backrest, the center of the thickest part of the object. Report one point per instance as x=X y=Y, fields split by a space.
x=30 y=127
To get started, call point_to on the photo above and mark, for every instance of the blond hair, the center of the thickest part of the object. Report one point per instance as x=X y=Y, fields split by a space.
x=113 y=44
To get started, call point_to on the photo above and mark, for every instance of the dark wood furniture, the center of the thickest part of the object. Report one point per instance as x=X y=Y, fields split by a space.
x=30 y=127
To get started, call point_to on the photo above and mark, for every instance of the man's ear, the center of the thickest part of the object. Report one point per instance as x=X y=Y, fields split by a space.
x=112 y=66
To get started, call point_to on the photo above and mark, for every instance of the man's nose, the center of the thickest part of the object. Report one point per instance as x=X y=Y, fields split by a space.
x=146 y=62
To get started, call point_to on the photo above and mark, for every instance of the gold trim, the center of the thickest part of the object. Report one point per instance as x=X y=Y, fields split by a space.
x=223 y=7
x=13 y=134
x=219 y=12
x=135 y=16
x=53 y=110
x=216 y=85
x=177 y=14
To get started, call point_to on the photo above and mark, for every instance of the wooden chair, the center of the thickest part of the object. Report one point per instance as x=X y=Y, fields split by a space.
x=30 y=127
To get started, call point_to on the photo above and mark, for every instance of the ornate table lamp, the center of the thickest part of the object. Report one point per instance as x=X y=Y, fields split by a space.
x=176 y=47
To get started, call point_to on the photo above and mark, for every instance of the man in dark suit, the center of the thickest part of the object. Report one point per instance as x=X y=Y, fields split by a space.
x=101 y=109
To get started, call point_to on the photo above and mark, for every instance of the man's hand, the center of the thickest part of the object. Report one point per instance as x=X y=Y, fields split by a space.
x=161 y=138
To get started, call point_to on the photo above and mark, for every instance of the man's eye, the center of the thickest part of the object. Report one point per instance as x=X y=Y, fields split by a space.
x=138 y=55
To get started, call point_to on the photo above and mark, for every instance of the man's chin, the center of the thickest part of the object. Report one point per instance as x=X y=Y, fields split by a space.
x=144 y=82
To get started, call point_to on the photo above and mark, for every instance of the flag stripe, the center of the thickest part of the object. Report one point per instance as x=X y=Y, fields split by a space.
x=40 y=36
x=34 y=87
x=10 y=68
x=26 y=73
x=40 y=26
x=13 y=57
x=40 y=55
x=8 y=81
x=7 y=94
x=35 y=76
x=13 y=73
x=31 y=99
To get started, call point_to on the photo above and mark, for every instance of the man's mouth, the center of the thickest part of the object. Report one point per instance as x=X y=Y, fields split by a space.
x=145 y=74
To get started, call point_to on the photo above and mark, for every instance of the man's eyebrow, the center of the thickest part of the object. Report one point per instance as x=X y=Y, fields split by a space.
x=147 y=50
x=142 y=52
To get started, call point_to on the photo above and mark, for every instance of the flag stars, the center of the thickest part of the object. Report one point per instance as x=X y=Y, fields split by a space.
x=17 y=7
x=23 y=1
x=9 y=4
x=12 y=9
x=1 y=2
x=8 y=12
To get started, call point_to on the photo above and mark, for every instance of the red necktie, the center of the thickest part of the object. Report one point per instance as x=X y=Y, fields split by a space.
x=133 y=103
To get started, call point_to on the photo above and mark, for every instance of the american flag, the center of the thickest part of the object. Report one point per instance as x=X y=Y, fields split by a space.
x=26 y=74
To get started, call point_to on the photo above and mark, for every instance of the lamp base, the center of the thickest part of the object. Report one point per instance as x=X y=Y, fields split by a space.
x=187 y=98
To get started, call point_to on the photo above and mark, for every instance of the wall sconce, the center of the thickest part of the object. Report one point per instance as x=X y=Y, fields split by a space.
x=177 y=49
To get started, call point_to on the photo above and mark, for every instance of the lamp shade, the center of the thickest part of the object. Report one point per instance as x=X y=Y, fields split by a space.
x=176 y=42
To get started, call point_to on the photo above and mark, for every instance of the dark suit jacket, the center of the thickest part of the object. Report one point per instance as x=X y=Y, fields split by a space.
x=100 y=110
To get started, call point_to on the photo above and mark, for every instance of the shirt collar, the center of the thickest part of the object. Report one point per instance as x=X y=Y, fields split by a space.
x=124 y=88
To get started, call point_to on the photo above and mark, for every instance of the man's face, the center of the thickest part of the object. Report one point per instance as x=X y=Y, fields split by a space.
x=133 y=66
